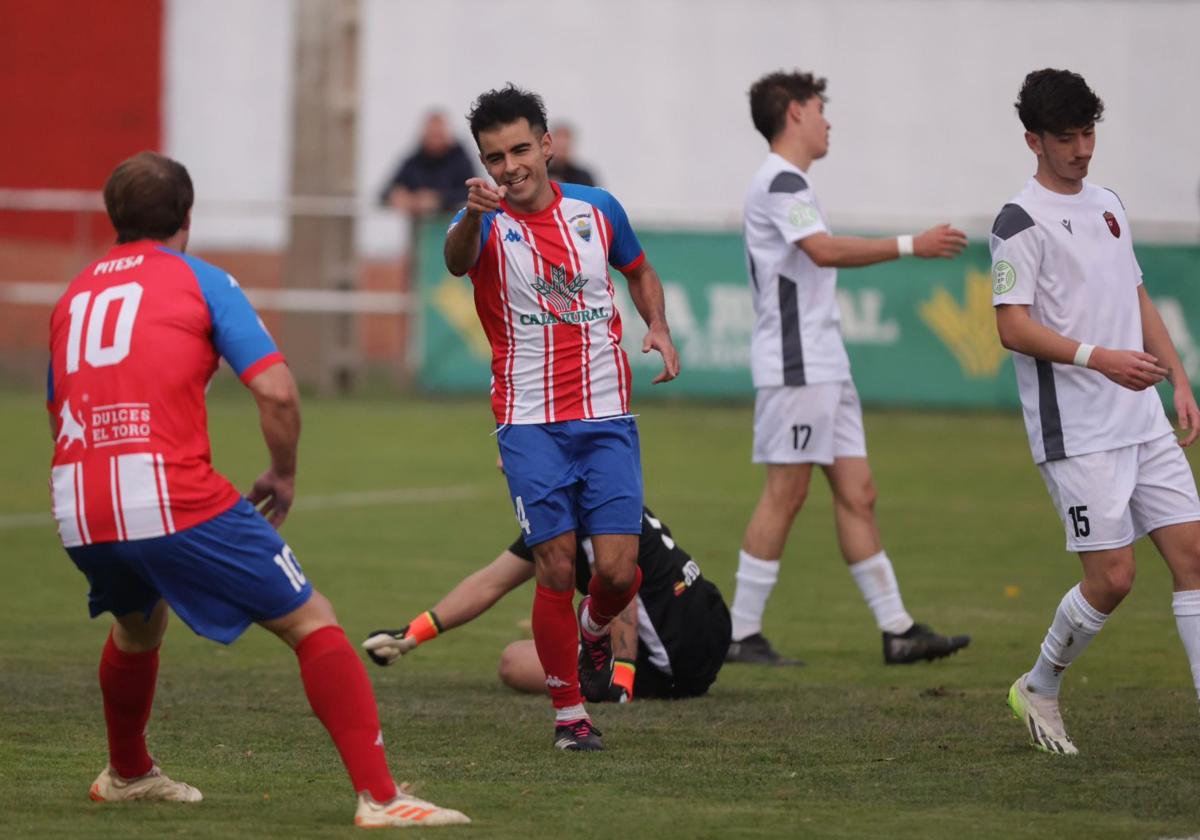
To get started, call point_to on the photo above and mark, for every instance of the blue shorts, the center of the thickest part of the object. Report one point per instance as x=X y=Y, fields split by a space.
x=576 y=475
x=219 y=576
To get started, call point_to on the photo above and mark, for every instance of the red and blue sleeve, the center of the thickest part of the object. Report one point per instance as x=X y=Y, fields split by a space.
x=237 y=332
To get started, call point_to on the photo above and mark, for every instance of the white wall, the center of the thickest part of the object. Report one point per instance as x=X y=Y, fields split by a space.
x=921 y=96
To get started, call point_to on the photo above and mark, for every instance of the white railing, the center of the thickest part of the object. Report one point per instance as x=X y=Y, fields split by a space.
x=81 y=203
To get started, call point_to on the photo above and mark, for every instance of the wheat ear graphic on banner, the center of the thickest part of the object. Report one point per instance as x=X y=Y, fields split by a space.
x=967 y=329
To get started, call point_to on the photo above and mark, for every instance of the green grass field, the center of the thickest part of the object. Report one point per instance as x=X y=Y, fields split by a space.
x=400 y=498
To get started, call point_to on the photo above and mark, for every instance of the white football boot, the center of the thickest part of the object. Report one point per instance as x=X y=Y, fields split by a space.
x=404 y=811
x=155 y=786
x=1040 y=716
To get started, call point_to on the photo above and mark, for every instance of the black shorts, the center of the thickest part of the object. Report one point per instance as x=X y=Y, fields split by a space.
x=695 y=631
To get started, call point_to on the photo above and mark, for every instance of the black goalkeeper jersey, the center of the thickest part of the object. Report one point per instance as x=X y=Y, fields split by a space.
x=683 y=623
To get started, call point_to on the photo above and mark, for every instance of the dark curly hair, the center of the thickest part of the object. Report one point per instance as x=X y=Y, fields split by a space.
x=771 y=95
x=1054 y=101
x=505 y=106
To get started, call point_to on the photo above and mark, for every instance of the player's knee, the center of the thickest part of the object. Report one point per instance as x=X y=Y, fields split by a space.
x=135 y=633
x=321 y=609
x=556 y=575
x=618 y=577
x=555 y=564
x=788 y=497
x=1118 y=580
x=857 y=499
x=507 y=669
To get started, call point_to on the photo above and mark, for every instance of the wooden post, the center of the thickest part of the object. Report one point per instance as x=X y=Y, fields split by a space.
x=323 y=348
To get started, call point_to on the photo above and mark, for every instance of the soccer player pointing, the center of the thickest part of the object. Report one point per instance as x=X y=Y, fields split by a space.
x=538 y=256
x=1087 y=345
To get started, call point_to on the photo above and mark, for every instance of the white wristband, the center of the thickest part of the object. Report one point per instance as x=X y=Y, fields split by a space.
x=905 y=245
x=1083 y=354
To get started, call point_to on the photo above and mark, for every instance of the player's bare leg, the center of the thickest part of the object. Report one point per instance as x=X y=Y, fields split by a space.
x=1180 y=547
x=782 y=497
x=1033 y=698
x=520 y=668
x=854 y=497
x=904 y=640
x=135 y=633
x=556 y=637
x=341 y=697
x=128 y=674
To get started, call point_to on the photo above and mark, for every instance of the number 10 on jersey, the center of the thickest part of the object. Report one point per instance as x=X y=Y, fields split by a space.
x=88 y=330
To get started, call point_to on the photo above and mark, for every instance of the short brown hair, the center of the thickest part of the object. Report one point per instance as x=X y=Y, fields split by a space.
x=771 y=95
x=148 y=196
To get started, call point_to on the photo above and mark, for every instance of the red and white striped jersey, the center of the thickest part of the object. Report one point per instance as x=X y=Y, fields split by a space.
x=134 y=341
x=545 y=299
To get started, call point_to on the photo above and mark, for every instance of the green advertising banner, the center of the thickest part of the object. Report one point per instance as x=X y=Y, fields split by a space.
x=918 y=332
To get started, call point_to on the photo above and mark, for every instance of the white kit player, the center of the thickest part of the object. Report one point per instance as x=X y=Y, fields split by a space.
x=1088 y=347
x=807 y=410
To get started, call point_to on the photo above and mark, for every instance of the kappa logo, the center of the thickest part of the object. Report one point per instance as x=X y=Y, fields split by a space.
x=559 y=291
x=69 y=428
x=555 y=682
x=582 y=225
x=512 y=236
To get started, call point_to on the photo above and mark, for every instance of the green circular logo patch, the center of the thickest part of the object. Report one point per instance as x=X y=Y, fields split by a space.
x=1004 y=277
x=802 y=215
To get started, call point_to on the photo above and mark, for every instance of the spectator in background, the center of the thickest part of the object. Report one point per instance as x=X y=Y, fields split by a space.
x=433 y=178
x=563 y=167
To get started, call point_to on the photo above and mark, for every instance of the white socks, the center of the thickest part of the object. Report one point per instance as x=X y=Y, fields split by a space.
x=589 y=625
x=877 y=582
x=1187 y=619
x=1076 y=622
x=755 y=580
x=570 y=714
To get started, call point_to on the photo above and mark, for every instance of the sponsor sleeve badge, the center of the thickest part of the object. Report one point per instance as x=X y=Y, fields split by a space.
x=1004 y=277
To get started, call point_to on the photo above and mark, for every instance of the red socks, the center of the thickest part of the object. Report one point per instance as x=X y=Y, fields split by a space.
x=607 y=604
x=556 y=637
x=127 y=685
x=341 y=697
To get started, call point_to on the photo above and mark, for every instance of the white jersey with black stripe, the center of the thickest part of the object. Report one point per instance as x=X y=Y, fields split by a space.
x=797 y=330
x=1070 y=259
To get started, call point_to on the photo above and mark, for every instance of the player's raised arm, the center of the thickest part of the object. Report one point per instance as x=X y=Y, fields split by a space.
x=278 y=402
x=462 y=242
x=645 y=288
x=828 y=251
x=474 y=595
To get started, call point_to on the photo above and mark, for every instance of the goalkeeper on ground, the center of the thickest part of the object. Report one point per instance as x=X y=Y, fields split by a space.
x=670 y=641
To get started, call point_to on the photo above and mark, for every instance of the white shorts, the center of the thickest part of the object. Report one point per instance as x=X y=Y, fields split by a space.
x=808 y=424
x=1112 y=499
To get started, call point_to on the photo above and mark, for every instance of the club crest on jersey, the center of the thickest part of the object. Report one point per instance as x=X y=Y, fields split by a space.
x=559 y=291
x=582 y=225
x=70 y=429
x=1113 y=227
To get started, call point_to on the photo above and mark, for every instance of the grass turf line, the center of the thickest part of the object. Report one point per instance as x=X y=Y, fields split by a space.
x=841 y=748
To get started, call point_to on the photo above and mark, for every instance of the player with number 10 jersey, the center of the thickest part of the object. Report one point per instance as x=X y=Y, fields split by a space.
x=134 y=342
x=131 y=456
